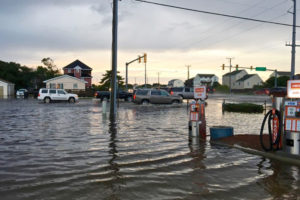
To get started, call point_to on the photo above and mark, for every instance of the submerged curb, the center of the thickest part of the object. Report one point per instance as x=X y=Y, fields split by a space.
x=280 y=156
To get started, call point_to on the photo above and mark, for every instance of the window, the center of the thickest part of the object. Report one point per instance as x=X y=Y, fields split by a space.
x=248 y=83
x=52 y=91
x=53 y=85
x=177 y=89
x=142 y=92
x=60 y=86
x=69 y=70
x=44 y=91
x=60 y=92
x=155 y=92
x=164 y=93
x=75 y=86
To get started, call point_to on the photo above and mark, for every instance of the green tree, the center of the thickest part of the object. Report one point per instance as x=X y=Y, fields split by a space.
x=281 y=82
x=106 y=80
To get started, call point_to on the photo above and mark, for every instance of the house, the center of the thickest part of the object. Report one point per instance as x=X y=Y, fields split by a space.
x=7 y=89
x=232 y=77
x=281 y=73
x=79 y=70
x=202 y=79
x=66 y=82
x=247 y=82
x=175 y=83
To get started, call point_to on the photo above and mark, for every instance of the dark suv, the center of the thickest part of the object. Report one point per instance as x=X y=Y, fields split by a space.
x=155 y=96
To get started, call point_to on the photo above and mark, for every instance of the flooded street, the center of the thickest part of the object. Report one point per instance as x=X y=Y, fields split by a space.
x=72 y=151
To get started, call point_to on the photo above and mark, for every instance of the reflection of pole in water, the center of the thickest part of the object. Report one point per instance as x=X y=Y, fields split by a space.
x=113 y=152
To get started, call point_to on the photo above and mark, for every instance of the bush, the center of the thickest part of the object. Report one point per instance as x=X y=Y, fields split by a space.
x=222 y=89
x=243 y=107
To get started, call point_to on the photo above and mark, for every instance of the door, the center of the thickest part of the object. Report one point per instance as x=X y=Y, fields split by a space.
x=165 y=97
x=53 y=94
x=61 y=95
x=155 y=96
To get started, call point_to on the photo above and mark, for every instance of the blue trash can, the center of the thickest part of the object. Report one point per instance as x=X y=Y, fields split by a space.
x=217 y=132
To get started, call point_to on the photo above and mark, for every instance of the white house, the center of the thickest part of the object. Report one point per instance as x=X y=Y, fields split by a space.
x=247 y=82
x=202 y=79
x=232 y=77
x=66 y=82
x=175 y=83
x=7 y=89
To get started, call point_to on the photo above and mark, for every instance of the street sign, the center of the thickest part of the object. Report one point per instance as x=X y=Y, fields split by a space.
x=260 y=68
x=200 y=92
x=293 y=89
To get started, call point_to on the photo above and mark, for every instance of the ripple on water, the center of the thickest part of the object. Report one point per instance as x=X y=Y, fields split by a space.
x=70 y=151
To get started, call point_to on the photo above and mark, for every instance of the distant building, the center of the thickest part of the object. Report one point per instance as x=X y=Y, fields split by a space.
x=79 y=70
x=233 y=77
x=281 y=73
x=202 y=79
x=175 y=83
x=7 y=89
x=66 y=82
x=247 y=82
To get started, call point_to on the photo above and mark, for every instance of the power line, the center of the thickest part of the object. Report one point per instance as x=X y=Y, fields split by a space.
x=214 y=13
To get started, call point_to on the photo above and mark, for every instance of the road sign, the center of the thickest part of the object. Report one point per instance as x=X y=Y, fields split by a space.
x=293 y=89
x=260 y=68
x=200 y=92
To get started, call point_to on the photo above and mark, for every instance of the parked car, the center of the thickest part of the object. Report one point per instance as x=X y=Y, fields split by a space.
x=264 y=91
x=22 y=93
x=127 y=96
x=155 y=96
x=210 y=90
x=184 y=92
x=47 y=95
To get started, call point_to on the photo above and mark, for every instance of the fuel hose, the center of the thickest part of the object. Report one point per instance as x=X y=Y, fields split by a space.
x=269 y=117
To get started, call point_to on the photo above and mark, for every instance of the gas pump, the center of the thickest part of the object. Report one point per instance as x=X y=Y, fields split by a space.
x=197 y=122
x=274 y=121
x=292 y=118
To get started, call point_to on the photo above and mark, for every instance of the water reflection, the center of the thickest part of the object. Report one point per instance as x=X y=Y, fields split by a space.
x=113 y=165
x=279 y=180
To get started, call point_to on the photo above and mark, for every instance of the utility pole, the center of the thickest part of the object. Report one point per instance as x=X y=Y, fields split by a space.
x=293 y=45
x=230 y=74
x=188 y=71
x=113 y=95
x=158 y=78
x=145 y=75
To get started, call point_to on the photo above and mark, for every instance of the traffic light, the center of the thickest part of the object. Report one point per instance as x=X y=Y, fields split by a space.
x=237 y=67
x=223 y=66
x=140 y=59
x=251 y=67
x=145 y=57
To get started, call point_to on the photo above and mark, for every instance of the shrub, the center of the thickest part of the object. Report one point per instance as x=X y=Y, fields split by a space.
x=243 y=107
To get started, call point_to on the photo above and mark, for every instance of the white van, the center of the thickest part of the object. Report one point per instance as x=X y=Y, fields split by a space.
x=47 y=95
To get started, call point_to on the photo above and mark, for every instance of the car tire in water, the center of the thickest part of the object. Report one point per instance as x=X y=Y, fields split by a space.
x=145 y=102
x=71 y=100
x=47 y=100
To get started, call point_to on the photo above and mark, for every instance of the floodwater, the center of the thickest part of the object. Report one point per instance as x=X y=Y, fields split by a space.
x=72 y=151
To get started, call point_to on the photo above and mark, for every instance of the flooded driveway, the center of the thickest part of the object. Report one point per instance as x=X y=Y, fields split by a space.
x=71 y=151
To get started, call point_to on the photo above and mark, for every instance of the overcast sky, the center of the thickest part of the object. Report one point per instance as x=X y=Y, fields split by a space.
x=66 y=30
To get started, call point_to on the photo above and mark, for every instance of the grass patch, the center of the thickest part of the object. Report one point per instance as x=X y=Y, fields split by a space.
x=243 y=107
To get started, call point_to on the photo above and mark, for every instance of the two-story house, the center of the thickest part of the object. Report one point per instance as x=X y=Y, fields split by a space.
x=248 y=81
x=202 y=79
x=79 y=70
x=175 y=83
x=232 y=77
